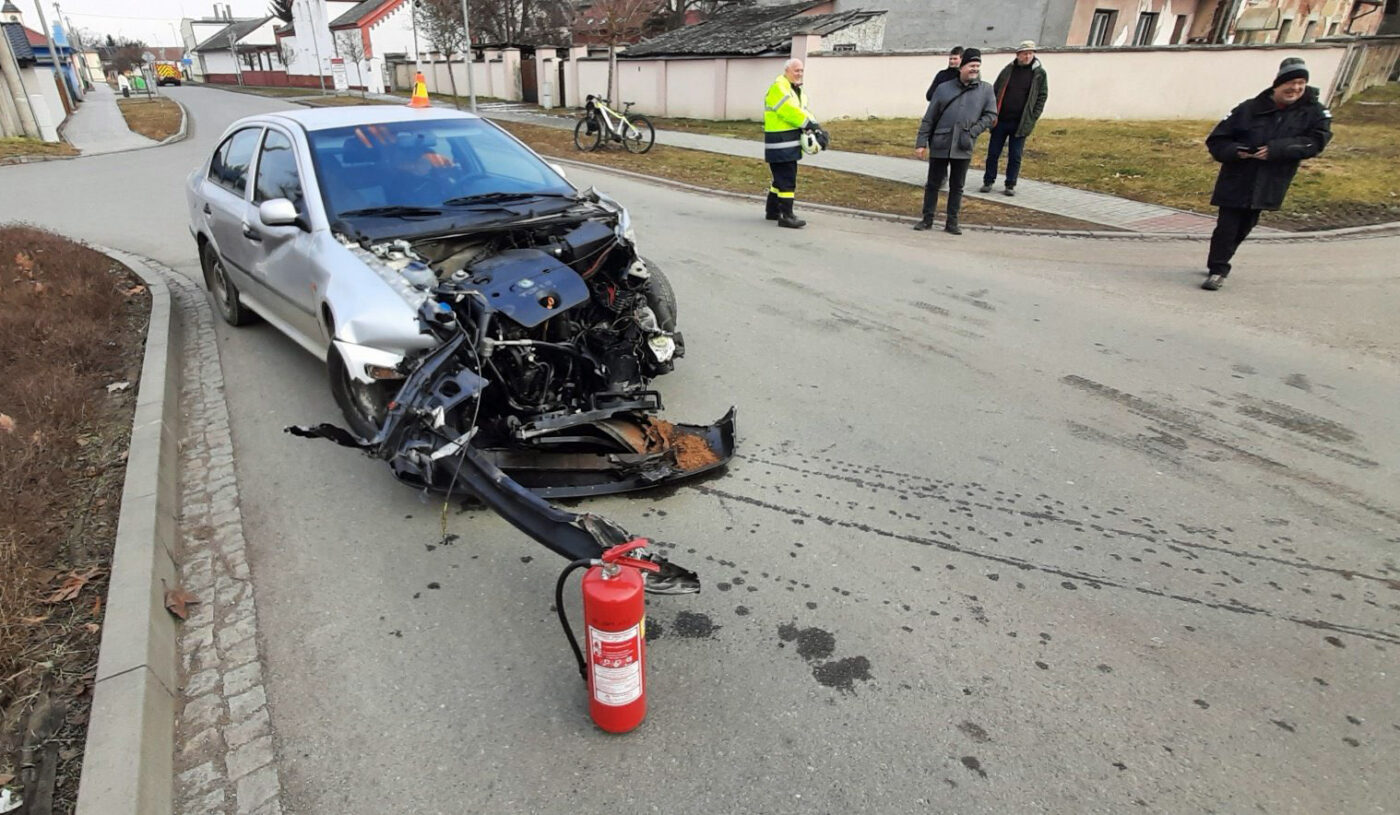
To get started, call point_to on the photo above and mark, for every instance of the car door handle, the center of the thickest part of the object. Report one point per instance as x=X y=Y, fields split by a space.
x=208 y=210
x=252 y=234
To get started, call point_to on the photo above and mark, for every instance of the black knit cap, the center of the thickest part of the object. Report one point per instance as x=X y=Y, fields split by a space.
x=1291 y=69
x=971 y=55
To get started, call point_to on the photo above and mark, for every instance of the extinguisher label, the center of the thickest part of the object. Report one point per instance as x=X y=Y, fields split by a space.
x=617 y=665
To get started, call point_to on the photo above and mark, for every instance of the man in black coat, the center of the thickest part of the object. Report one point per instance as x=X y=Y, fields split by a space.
x=947 y=74
x=1259 y=146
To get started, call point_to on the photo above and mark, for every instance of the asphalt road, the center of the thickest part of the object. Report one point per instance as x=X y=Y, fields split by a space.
x=1016 y=525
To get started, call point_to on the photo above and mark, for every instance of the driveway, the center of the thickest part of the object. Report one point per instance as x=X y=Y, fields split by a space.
x=1017 y=525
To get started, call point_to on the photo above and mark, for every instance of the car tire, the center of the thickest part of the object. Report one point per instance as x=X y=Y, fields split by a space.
x=221 y=289
x=661 y=297
x=364 y=406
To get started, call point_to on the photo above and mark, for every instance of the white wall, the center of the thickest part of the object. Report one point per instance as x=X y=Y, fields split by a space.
x=393 y=33
x=312 y=21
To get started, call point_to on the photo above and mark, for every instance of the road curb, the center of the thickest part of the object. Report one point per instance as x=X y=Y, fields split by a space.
x=181 y=134
x=1348 y=233
x=128 y=759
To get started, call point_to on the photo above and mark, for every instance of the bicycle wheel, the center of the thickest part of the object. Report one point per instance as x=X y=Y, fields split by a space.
x=638 y=135
x=585 y=141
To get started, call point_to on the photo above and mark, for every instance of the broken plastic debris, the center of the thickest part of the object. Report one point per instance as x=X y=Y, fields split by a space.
x=118 y=387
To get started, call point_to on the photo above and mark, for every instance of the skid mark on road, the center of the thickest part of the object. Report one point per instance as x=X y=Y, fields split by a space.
x=1216 y=445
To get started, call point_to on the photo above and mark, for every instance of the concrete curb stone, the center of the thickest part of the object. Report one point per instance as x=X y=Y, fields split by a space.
x=180 y=720
x=134 y=693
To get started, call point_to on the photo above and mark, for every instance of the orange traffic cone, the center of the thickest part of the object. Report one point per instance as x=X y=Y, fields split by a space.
x=420 y=93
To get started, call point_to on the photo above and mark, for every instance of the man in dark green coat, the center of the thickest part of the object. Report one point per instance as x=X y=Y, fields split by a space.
x=1022 y=89
x=1259 y=147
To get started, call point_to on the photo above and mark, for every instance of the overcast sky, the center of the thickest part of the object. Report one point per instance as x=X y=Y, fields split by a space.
x=148 y=20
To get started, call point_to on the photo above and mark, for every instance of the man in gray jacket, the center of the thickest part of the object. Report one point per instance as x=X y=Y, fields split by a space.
x=958 y=113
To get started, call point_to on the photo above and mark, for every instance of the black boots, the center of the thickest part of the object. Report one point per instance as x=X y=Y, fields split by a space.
x=924 y=225
x=951 y=227
x=785 y=217
x=774 y=208
x=1213 y=282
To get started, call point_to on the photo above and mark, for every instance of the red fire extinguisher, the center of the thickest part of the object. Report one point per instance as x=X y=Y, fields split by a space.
x=614 y=616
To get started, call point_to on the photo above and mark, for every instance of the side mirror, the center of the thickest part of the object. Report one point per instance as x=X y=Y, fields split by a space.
x=558 y=169
x=278 y=212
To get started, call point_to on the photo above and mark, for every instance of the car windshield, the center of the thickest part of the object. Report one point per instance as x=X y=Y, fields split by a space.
x=380 y=169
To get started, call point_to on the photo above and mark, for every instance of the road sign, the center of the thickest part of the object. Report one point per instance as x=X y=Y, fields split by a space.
x=148 y=57
x=342 y=82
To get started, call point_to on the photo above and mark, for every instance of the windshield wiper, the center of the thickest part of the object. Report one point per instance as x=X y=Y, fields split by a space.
x=499 y=197
x=396 y=211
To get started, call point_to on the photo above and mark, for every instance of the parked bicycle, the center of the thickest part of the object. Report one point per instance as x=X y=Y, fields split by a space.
x=600 y=121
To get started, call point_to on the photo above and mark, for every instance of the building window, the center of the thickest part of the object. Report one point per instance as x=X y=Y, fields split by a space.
x=1179 y=31
x=844 y=47
x=1284 y=30
x=1392 y=6
x=1101 y=29
x=1310 y=31
x=1332 y=30
x=1146 y=28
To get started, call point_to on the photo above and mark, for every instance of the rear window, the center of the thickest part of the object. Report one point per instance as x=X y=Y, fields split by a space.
x=229 y=167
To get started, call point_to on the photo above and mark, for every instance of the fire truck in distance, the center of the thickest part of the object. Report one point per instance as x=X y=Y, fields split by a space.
x=168 y=73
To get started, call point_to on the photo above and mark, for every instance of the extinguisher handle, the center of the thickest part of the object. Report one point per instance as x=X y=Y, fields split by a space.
x=618 y=555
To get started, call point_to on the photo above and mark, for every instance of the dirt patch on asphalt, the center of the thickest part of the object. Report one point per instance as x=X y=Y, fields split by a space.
x=72 y=333
x=157 y=119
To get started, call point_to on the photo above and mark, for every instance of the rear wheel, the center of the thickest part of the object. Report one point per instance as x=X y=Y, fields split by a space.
x=638 y=135
x=585 y=141
x=364 y=405
x=223 y=291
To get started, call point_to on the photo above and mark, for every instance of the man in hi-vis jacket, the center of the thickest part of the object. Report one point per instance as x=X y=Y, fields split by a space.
x=785 y=116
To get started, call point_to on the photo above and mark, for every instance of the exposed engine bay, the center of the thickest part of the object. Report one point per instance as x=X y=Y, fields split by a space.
x=530 y=374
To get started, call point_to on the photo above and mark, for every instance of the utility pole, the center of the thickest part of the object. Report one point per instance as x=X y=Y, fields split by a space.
x=70 y=34
x=467 y=34
x=233 y=50
x=316 y=42
x=53 y=55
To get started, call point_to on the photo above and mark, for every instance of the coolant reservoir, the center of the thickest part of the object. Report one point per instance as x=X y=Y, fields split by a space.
x=419 y=274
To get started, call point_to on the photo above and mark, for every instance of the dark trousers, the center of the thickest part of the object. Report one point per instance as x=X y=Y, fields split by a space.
x=955 y=170
x=1232 y=226
x=1003 y=132
x=784 y=188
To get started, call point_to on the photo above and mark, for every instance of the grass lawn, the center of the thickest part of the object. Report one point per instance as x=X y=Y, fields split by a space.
x=733 y=174
x=12 y=148
x=263 y=90
x=157 y=118
x=1355 y=181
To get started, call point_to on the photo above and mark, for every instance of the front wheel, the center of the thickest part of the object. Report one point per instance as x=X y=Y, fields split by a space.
x=585 y=141
x=365 y=406
x=638 y=135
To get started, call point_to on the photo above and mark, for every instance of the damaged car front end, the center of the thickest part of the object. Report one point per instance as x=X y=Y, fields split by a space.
x=484 y=333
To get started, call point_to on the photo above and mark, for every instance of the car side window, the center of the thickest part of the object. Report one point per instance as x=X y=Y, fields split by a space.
x=229 y=167
x=277 y=171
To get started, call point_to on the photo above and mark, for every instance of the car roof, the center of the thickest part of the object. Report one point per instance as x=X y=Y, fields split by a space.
x=328 y=118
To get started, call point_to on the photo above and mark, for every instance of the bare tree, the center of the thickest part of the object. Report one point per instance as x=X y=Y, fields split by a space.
x=350 y=45
x=440 y=23
x=616 y=22
x=674 y=11
x=286 y=52
x=281 y=9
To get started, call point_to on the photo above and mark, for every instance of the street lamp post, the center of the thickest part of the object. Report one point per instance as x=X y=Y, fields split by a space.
x=53 y=55
x=467 y=34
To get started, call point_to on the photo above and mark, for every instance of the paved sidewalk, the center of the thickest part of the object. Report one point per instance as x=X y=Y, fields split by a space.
x=1094 y=207
x=97 y=126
